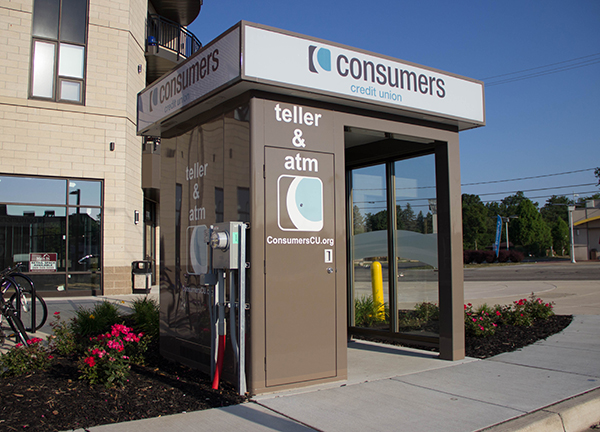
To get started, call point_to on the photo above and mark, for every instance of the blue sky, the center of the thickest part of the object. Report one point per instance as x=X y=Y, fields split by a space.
x=544 y=125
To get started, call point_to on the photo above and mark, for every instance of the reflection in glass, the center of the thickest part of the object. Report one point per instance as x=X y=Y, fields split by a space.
x=32 y=190
x=45 y=18
x=84 y=239
x=369 y=246
x=85 y=193
x=84 y=281
x=70 y=90
x=42 y=84
x=73 y=20
x=70 y=62
x=31 y=229
x=416 y=255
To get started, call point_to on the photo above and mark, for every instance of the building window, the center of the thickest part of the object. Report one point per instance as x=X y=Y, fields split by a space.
x=55 y=220
x=59 y=34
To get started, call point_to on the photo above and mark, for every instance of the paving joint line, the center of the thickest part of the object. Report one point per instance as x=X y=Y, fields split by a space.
x=463 y=397
x=595 y=378
x=287 y=416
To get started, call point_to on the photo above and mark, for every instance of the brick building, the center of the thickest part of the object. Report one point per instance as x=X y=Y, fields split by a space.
x=73 y=206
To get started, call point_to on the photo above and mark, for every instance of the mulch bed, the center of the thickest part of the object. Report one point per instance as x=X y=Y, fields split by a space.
x=56 y=400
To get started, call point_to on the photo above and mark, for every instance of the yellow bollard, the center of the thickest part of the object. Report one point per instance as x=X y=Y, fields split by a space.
x=377 y=286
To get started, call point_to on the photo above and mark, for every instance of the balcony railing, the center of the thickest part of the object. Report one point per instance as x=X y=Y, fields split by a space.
x=167 y=34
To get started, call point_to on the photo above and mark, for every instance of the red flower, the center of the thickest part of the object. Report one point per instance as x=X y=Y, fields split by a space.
x=56 y=313
x=90 y=361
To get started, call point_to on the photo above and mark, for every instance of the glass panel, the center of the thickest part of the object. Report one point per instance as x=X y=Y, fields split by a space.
x=43 y=69
x=32 y=190
x=86 y=193
x=48 y=281
x=416 y=255
x=45 y=18
x=370 y=247
x=70 y=62
x=73 y=21
x=84 y=239
x=70 y=90
x=219 y=205
x=84 y=282
x=32 y=229
x=243 y=198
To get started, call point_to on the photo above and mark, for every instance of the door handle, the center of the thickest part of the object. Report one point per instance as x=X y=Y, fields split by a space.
x=329 y=270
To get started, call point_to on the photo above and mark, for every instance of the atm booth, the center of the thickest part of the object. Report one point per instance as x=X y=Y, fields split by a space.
x=287 y=167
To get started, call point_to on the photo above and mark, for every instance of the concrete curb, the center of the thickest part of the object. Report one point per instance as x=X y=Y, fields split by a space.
x=576 y=414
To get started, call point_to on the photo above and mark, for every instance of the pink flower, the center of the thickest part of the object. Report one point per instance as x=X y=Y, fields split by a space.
x=474 y=319
x=498 y=313
x=481 y=327
x=50 y=357
x=56 y=313
x=19 y=345
x=495 y=325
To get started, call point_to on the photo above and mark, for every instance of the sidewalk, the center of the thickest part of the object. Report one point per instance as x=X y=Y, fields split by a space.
x=400 y=389
x=553 y=385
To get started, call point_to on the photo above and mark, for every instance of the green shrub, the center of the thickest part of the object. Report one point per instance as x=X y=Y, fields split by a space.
x=427 y=311
x=62 y=340
x=146 y=316
x=95 y=321
x=22 y=359
x=367 y=312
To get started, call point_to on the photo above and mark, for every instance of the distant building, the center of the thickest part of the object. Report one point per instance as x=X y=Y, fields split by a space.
x=586 y=224
x=75 y=207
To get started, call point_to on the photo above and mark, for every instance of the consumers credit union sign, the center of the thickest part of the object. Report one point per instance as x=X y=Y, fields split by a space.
x=260 y=56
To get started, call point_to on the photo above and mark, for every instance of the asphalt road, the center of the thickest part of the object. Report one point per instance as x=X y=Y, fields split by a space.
x=543 y=271
x=535 y=272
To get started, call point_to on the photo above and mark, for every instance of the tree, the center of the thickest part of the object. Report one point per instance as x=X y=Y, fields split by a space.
x=597 y=174
x=405 y=219
x=556 y=207
x=474 y=219
x=560 y=236
x=556 y=214
x=510 y=204
x=377 y=221
x=358 y=220
x=530 y=229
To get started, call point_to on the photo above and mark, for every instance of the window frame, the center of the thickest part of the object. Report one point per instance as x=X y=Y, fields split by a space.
x=58 y=79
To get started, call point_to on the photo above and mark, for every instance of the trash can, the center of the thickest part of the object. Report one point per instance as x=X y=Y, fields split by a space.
x=593 y=254
x=141 y=269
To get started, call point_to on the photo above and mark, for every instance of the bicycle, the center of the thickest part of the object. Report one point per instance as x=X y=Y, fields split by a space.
x=11 y=314
x=33 y=314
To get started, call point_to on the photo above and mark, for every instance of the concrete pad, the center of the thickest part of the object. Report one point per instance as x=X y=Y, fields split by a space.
x=505 y=385
x=574 y=350
x=247 y=417
x=388 y=405
x=369 y=361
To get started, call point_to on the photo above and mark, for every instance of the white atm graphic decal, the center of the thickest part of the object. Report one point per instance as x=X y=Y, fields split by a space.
x=299 y=203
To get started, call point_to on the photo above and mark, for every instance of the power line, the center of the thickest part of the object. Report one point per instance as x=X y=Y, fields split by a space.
x=527 y=178
x=590 y=61
x=540 y=67
x=488 y=182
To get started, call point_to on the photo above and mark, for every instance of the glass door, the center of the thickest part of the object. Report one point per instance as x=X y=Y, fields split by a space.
x=393 y=260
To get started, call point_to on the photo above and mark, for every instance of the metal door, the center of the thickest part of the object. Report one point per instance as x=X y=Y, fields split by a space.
x=300 y=309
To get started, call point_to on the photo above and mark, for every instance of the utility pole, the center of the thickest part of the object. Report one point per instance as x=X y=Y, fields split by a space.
x=571 y=210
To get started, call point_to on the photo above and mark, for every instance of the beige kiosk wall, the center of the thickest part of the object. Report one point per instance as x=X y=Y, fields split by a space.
x=298 y=318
